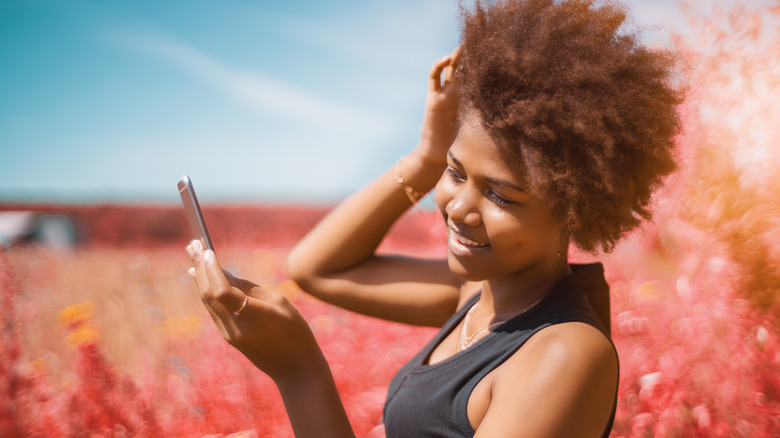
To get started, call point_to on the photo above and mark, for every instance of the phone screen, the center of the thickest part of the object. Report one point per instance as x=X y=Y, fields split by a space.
x=194 y=215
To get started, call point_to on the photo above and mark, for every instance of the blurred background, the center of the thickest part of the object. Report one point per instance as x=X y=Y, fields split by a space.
x=277 y=110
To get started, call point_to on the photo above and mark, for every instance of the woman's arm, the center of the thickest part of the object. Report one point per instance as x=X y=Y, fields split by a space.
x=336 y=261
x=270 y=332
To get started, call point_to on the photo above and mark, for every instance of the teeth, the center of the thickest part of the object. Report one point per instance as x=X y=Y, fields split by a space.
x=468 y=242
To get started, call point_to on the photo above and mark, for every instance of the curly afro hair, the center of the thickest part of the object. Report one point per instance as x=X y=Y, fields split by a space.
x=590 y=113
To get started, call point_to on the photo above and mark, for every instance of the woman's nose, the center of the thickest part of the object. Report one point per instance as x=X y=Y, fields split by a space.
x=463 y=208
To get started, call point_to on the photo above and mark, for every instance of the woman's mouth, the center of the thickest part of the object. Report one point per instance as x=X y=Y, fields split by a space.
x=460 y=245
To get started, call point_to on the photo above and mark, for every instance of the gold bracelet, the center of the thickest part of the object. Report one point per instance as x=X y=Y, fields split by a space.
x=410 y=192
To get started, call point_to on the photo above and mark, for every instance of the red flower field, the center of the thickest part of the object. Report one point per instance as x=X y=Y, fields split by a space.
x=109 y=338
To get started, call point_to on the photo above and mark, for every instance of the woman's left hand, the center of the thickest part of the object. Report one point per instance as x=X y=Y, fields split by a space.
x=261 y=324
x=440 y=123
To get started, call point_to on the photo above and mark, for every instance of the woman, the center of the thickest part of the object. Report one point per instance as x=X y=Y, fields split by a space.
x=550 y=125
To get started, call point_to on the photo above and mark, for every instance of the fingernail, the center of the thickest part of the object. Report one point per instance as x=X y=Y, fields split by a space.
x=208 y=255
x=189 y=250
x=196 y=245
x=192 y=273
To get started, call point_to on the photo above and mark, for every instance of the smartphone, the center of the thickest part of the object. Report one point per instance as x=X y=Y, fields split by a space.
x=194 y=215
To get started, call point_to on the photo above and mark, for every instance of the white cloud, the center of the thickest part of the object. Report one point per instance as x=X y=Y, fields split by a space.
x=257 y=90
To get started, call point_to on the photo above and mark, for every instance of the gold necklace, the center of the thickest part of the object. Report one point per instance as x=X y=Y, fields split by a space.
x=466 y=341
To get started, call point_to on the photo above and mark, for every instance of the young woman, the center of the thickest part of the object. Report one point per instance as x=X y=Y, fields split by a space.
x=550 y=125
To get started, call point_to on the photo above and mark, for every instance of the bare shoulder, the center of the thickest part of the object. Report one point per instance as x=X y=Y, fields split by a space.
x=574 y=356
x=572 y=342
x=567 y=372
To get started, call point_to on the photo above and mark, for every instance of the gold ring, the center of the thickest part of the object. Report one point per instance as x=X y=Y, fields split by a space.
x=237 y=312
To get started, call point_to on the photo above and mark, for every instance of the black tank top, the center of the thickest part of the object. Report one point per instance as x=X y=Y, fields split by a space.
x=431 y=400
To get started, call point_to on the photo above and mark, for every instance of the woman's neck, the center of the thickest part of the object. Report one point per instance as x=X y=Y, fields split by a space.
x=508 y=296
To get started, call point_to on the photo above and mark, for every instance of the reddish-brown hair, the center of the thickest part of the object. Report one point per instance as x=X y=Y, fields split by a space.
x=589 y=111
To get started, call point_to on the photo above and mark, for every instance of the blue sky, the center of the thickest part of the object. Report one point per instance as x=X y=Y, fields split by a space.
x=283 y=101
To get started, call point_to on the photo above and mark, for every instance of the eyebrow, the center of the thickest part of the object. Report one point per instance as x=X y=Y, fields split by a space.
x=507 y=184
x=498 y=182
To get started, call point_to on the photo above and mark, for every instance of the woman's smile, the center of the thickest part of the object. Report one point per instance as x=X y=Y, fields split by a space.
x=460 y=245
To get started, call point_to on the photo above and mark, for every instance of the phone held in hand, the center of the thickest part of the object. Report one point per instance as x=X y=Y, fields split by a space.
x=194 y=215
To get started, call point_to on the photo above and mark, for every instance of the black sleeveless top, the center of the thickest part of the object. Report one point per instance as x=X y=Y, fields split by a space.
x=431 y=400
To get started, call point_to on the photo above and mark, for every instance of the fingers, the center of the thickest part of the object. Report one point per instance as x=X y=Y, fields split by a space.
x=434 y=77
x=201 y=280
x=449 y=71
x=448 y=64
x=230 y=297
x=212 y=282
x=195 y=250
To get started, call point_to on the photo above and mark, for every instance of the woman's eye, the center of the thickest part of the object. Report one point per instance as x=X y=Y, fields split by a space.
x=498 y=199
x=455 y=174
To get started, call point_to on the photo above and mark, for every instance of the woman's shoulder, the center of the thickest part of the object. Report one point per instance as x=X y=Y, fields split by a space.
x=572 y=342
x=568 y=371
x=569 y=353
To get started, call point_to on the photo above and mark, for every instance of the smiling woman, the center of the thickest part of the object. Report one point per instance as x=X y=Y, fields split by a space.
x=549 y=126
x=495 y=225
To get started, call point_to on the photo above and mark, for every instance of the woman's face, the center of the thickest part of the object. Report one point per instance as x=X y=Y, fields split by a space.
x=496 y=229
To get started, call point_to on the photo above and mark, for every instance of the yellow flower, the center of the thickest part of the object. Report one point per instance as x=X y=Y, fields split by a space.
x=77 y=313
x=83 y=336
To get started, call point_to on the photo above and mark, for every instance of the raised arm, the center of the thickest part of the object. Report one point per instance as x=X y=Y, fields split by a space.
x=336 y=261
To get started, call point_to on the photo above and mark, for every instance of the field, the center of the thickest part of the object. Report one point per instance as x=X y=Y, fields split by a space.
x=109 y=338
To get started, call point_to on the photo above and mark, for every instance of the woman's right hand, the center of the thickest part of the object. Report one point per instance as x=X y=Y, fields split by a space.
x=440 y=124
x=268 y=329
